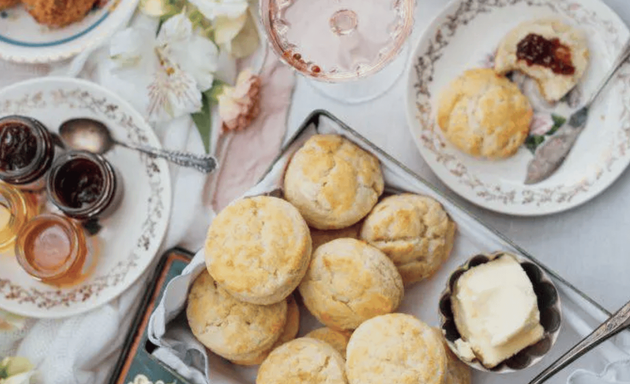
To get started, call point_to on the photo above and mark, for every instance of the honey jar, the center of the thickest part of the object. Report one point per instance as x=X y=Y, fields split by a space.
x=16 y=209
x=55 y=250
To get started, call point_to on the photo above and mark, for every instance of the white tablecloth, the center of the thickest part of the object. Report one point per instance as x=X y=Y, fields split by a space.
x=589 y=246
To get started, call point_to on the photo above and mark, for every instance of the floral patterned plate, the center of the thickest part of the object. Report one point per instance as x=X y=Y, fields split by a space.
x=465 y=35
x=129 y=240
x=23 y=40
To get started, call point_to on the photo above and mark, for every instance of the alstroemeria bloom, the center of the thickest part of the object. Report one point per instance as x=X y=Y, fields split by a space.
x=214 y=9
x=174 y=68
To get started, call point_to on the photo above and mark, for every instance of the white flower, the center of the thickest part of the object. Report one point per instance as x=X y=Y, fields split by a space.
x=16 y=370
x=171 y=70
x=213 y=9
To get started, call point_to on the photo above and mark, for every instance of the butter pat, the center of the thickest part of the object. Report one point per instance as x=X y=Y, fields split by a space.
x=496 y=311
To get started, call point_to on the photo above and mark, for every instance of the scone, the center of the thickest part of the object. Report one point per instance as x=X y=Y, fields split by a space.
x=414 y=231
x=303 y=361
x=4 y=4
x=230 y=328
x=58 y=13
x=258 y=249
x=289 y=333
x=349 y=282
x=333 y=182
x=395 y=348
x=320 y=237
x=555 y=54
x=457 y=372
x=337 y=339
x=484 y=114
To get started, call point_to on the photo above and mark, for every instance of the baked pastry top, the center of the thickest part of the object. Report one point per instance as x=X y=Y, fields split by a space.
x=337 y=339
x=412 y=230
x=58 y=13
x=348 y=282
x=258 y=249
x=333 y=182
x=534 y=46
x=395 y=348
x=231 y=328
x=484 y=114
x=303 y=361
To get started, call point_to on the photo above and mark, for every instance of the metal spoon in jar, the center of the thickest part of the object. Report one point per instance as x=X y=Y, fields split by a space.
x=93 y=136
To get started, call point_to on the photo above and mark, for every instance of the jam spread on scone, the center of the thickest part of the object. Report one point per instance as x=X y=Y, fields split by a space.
x=549 y=53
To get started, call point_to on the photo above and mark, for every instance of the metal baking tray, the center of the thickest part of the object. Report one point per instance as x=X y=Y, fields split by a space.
x=580 y=313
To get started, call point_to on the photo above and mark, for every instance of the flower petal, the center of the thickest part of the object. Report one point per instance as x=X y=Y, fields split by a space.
x=226 y=29
x=212 y=9
x=175 y=30
x=198 y=57
x=173 y=93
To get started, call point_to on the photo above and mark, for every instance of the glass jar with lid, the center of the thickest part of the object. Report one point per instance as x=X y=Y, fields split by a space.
x=27 y=152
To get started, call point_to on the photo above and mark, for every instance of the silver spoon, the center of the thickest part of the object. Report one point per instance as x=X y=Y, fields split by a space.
x=617 y=323
x=93 y=136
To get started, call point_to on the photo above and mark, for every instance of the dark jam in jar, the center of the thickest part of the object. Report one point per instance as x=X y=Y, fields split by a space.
x=538 y=50
x=80 y=183
x=84 y=185
x=26 y=152
x=18 y=146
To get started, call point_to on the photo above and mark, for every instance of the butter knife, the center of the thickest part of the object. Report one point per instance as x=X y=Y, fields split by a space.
x=552 y=153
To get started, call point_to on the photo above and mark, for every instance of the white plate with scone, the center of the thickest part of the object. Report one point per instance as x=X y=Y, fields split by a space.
x=368 y=278
x=491 y=82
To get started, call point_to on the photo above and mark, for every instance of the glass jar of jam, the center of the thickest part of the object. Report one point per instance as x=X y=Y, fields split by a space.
x=55 y=250
x=27 y=152
x=84 y=185
x=16 y=208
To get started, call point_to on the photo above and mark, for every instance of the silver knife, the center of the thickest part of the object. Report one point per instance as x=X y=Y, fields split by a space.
x=551 y=154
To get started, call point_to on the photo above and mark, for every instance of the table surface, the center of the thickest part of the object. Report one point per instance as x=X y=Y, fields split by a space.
x=586 y=245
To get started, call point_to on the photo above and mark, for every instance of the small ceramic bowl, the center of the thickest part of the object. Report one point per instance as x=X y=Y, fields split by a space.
x=548 y=304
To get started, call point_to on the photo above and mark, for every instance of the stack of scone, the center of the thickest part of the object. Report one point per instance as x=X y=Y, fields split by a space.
x=485 y=115
x=347 y=255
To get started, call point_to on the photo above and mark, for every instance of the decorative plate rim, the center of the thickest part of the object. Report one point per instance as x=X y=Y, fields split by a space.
x=157 y=231
x=602 y=181
x=121 y=10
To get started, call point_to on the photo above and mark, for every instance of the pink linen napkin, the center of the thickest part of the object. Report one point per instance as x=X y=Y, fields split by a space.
x=245 y=155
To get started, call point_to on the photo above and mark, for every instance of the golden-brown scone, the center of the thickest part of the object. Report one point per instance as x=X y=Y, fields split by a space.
x=258 y=249
x=414 y=231
x=457 y=371
x=395 y=348
x=553 y=86
x=484 y=114
x=230 y=328
x=289 y=333
x=4 y=4
x=337 y=339
x=333 y=182
x=58 y=13
x=321 y=237
x=348 y=282
x=303 y=361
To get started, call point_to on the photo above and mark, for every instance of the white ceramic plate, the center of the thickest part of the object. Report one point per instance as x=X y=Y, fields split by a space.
x=130 y=238
x=464 y=36
x=23 y=40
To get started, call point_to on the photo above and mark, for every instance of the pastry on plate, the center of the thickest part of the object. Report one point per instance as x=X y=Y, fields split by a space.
x=333 y=182
x=289 y=333
x=4 y=4
x=321 y=237
x=258 y=249
x=553 y=53
x=484 y=114
x=303 y=361
x=412 y=230
x=230 y=328
x=396 y=348
x=58 y=13
x=349 y=282
x=337 y=339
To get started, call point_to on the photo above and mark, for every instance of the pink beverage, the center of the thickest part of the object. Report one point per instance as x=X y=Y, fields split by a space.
x=337 y=40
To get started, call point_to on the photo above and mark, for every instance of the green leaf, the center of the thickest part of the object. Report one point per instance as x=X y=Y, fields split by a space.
x=558 y=121
x=532 y=142
x=203 y=118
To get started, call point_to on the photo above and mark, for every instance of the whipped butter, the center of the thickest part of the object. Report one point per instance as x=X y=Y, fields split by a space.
x=496 y=312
